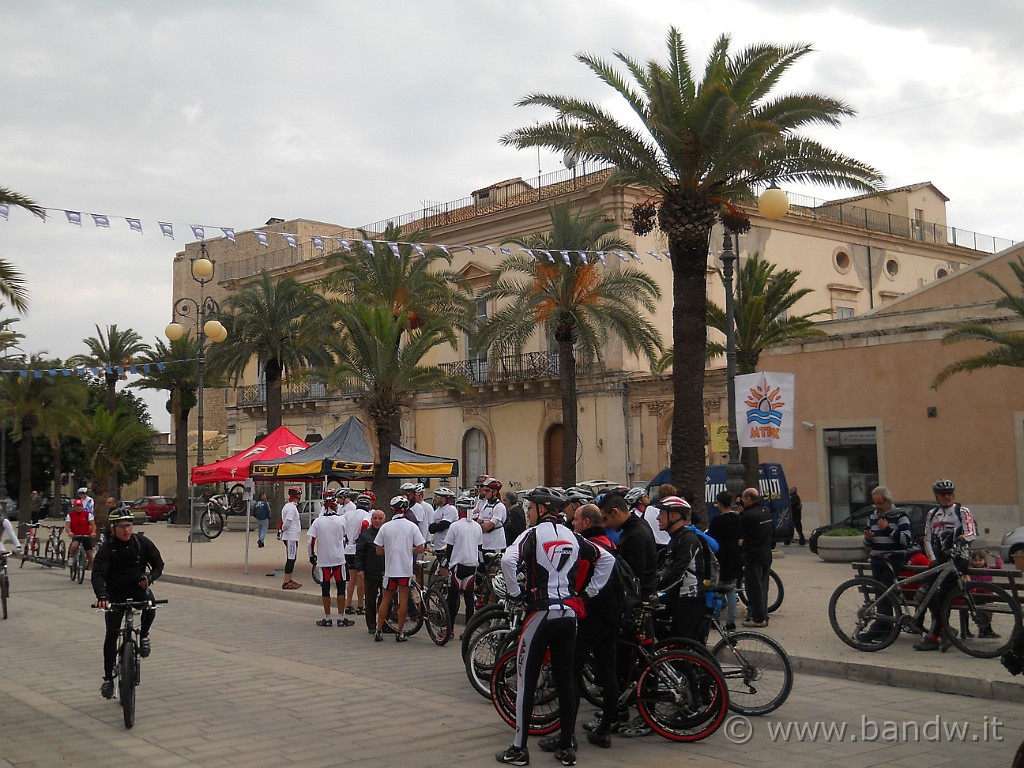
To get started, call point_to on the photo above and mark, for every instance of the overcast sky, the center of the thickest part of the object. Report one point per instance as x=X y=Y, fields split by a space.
x=228 y=113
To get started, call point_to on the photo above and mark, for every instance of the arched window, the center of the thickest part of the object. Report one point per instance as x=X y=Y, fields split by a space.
x=474 y=454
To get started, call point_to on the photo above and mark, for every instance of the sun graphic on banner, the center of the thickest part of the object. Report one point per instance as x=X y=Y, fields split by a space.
x=764 y=404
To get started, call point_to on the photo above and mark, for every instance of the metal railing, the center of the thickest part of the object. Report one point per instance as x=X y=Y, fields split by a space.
x=525 y=367
x=310 y=391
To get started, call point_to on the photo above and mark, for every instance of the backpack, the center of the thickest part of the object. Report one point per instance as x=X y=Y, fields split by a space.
x=627 y=587
x=712 y=570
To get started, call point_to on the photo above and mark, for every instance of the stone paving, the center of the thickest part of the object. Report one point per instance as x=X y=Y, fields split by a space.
x=248 y=679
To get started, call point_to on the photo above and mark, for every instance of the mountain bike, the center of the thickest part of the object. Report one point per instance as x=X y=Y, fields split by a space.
x=56 y=548
x=30 y=549
x=5 y=583
x=211 y=520
x=776 y=592
x=128 y=667
x=79 y=562
x=978 y=617
x=426 y=606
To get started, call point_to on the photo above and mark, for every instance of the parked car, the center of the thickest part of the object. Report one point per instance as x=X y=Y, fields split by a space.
x=917 y=510
x=309 y=510
x=1012 y=544
x=65 y=507
x=156 y=508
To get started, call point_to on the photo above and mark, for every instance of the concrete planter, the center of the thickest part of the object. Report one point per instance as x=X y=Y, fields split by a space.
x=842 y=549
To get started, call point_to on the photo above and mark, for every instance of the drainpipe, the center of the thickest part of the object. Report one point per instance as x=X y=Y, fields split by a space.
x=625 y=422
x=871 y=283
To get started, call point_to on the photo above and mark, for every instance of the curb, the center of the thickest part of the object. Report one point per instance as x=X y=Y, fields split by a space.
x=241 y=589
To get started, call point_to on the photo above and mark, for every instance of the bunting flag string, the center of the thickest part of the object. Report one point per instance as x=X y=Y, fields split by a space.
x=134 y=369
x=317 y=242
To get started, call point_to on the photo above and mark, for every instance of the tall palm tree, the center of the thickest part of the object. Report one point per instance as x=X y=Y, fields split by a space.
x=180 y=378
x=283 y=325
x=380 y=354
x=109 y=350
x=578 y=305
x=12 y=282
x=110 y=440
x=762 y=306
x=1007 y=346
x=64 y=417
x=699 y=144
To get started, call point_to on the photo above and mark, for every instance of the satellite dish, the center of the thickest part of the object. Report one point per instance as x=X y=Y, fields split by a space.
x=570 y=159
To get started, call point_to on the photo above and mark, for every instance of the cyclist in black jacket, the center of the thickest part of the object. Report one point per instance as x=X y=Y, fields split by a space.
x=125 y=567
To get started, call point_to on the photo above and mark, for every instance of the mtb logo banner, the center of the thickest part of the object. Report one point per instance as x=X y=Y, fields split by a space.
x=765 y=409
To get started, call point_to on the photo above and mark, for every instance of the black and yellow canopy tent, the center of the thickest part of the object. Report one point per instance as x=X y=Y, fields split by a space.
x=346 y=454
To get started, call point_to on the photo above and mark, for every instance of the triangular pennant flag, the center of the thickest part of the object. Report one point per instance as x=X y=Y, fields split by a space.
x=95 y=371
x=229 y=233
x=344 y=243
x=166 y=229
x=471 y=249
x=199 y=233
x=394 y=249
x=23 y=374
x=529 y=253
x=491 y=250
x=548 y=254
x=135 y=225
x=506 y=251
x=636 y=256
x=53 y=371
x=5 y=211
x=261 y=238
x=74 y=217
x=100 y=220
x=600 y=255
x=318 y=242
x=565 y=258
x=654 y=254
x=67 y=371
x=368 y=245
x=622 y=256
x=584 y=259
x=290 y=239
x=418 y=248
x=445 y=249
x=80 y=370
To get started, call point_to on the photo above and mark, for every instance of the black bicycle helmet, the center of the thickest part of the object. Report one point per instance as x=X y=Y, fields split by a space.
x=943 y=486
x=552 y=498
x=579 y=494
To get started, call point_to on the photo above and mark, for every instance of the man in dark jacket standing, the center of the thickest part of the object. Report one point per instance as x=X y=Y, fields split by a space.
x=756 y=547
x=636 y=541
x=372 y=566
x=124 y=568
x=727 y=529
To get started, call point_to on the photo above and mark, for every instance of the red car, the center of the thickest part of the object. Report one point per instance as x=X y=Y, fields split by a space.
x=157 y=508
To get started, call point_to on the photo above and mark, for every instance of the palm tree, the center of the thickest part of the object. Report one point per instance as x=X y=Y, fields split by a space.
x=578 y=305
x=64 y=417
x=699 y=145
x=110 y=440
x=282 y=323
x=12 y=282
x=763 y=302
x=379 y=354
x=109 y=351
x=1008 y=346
x=180 y=378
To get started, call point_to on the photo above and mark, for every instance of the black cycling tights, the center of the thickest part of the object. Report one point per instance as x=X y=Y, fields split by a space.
x=554 y=629
x=113 y=619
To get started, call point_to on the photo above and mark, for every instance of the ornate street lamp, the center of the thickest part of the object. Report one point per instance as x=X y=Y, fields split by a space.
x=206 y=311
x=773 y=205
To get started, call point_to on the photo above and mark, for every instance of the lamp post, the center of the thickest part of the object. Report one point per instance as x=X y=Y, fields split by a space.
x=773 y=205
x=206 y=311
x=7 y=339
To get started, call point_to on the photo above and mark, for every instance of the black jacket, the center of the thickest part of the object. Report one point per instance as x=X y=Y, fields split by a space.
x=367 y=560
x=757 y=523
x=727 y=529
x=120 y=566
x=636 y=547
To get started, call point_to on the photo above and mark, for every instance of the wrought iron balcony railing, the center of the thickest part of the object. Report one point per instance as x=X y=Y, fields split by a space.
x=310 y=391
x=526 y=367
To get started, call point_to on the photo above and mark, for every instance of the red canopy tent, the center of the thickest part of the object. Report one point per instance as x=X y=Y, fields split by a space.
x=279 y=444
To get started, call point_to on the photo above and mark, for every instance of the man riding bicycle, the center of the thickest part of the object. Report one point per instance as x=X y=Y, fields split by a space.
x=80 y=526
x=125 y=567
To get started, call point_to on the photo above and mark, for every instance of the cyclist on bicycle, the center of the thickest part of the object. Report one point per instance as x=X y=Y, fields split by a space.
x=125 y=567
x=945 y=525
x=548 y=555
x=80 y=526
x=6 y=527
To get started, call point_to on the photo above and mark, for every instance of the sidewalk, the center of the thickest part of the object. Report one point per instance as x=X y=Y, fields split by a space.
x=801 y=624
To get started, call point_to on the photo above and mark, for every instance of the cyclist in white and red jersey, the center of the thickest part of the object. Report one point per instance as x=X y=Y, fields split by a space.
x=356 y=515
x=398 y=540
x=944 y=524
x=327 y=551
x=548 y=556
x=80 y=525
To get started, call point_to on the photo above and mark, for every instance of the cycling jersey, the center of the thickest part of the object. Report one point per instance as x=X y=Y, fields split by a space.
x=353 y=526
x=290 y=525
x=446 y=513
x=81 y=522
x=327 y=540
x=464 y=537
x=493 y=512
x=398 y=537
x=943 y=525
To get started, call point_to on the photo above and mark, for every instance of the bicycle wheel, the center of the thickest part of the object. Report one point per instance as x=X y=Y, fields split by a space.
x=776 y=592
x=435 y=616
x=757 y=670
x=855 y=618
x=682 y=696
x=126 y=682
x=49 y=552
x=5 y=590
x=413 y=618
x=484 y=652
x=984 y=617
x=236 y=498
x=83 y=563
x=73 y=564
x=317 y=574
x=587 y=684
x=482 y=618
x=544 y=718
x=211 y=523
x=62 y=551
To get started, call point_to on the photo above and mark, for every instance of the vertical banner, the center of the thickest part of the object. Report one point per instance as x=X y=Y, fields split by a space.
x=765 y=407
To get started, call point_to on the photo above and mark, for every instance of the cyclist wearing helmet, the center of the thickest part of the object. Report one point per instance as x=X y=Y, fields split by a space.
x=125 y=567
x=327 y=533
x=684 y=568
x=947 y=522
x=640 y=504
x=87 y=501
x=445 y=514
x=462 y=553
x=548 y=555
x=492 y=516
x=288 y=531
x=398 y=540
x=80 y=526
x=423 y=510
x=355 y=517
x=409 y=490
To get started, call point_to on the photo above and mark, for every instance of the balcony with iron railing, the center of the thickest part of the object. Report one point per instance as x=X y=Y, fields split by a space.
x=531 y=366
x=305 y=392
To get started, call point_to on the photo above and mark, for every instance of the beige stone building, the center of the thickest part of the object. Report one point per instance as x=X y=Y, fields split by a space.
x=857 y=255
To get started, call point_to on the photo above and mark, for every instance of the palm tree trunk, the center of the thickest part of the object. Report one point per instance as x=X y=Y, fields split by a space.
x=111 y=392
x=382 y=485
x=570 y=415
x=689 y=341
x=751 y=467
x=56 y=504
x=180 y=415
x=25 y=480
x=275 y=407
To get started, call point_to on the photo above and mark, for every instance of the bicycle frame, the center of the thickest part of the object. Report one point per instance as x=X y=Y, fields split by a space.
x=894 y=594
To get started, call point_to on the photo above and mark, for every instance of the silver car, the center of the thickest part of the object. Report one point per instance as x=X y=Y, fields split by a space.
x=1012 y=543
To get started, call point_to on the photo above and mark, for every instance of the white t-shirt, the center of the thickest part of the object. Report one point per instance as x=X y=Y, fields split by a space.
x=353 y=526
x=89 y=503
x=290 y=525
x=650 y=516
x=424 y=517
x=329 y=532
x=494 y=513
x=465 y=536
x=11 y=533
x=398 y=536
x=481 y=502
x=444 y=512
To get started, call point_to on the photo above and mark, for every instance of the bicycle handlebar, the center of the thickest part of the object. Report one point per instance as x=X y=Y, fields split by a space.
x=131 y=605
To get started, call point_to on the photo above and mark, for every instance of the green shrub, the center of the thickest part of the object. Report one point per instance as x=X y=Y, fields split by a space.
x=843 y=532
